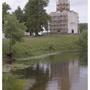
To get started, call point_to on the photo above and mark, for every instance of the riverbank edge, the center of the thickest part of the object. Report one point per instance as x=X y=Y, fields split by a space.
x=15 y=66
x=48 y=54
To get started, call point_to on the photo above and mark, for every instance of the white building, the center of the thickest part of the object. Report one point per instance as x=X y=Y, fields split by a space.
x=63 y=20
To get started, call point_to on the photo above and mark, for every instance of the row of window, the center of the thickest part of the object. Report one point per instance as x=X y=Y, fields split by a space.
x=59 y=21
x=63 y=16
x=62 y=4
x=60 y=30
x=65 y=28
x=58 y=24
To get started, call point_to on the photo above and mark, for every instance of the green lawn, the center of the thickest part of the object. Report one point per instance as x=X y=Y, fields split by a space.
x=42 y=45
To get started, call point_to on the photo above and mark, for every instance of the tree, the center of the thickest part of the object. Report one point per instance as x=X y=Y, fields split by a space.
x=19 y=14
x=83 y=27
x=14 y=31
x=36 y=16
x=5 y=8
x=83 y=41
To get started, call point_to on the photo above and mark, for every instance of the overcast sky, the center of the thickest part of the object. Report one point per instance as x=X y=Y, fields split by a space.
x=80 y=6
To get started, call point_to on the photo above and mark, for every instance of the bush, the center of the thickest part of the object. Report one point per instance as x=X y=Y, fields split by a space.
x=51 y=47
x=11 y=83
x=83 y=41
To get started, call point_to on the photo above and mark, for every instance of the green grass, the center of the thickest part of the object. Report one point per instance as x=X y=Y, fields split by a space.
x=42 y=45
x=10 y=82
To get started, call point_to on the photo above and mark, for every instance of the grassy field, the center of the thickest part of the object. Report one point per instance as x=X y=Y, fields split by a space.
x=33 y=46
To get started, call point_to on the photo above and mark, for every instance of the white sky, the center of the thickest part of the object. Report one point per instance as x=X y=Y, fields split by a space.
x=80 y=6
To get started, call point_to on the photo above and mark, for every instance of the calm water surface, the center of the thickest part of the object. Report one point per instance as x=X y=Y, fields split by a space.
x=57 y=72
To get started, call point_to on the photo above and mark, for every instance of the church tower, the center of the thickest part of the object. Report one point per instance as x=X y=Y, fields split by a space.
x=63 y=20
x=63 y=5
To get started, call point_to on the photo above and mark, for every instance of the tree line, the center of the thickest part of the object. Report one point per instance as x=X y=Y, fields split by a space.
x=33 y=15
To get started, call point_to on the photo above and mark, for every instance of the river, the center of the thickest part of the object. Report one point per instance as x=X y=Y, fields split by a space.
x=56 y=72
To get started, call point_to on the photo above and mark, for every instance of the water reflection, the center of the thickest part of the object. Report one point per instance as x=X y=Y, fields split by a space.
x=83 y=58
x=65 y=75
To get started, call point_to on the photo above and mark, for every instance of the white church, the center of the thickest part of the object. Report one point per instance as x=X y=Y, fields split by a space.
x=63 y=20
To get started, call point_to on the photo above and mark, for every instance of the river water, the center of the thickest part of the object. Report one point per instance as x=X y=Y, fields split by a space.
x=56 y=72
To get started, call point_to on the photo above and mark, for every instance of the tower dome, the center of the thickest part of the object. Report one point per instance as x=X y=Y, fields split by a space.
x=63 y=5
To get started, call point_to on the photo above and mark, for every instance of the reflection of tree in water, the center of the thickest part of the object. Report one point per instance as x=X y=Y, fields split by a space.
x=83 y=58
x=41 y=77
x=30 y=72
x=41 y=80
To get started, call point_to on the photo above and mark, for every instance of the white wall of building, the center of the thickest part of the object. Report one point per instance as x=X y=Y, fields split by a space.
x=73 y=21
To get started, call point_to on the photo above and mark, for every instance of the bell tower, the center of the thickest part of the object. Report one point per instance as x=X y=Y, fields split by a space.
x=63 y=5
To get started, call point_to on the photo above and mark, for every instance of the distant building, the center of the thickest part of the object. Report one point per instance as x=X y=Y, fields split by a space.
x=63 y=20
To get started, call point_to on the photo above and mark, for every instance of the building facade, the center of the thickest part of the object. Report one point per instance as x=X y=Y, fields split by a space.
x=63 y=20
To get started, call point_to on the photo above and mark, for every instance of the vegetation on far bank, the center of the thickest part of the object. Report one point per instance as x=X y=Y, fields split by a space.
x=83 y=41
x=42 y=45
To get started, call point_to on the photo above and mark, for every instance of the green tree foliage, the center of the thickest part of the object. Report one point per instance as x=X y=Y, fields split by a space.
x=5 y=8
x=83 y=26
x=36 y=16
x=14 y=31
x=19 y=14
x=83 y=41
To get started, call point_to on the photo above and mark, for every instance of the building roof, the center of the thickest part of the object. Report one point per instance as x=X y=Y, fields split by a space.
x=73 y=12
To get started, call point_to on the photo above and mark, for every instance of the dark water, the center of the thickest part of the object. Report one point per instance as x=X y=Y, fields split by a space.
x=57 y=72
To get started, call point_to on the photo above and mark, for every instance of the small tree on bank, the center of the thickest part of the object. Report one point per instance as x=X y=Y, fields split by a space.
x=36 y=16
x=14 y=31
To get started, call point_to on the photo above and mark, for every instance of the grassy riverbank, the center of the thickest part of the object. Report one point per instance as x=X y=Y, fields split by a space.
x=34 y=46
